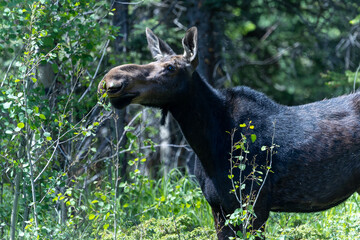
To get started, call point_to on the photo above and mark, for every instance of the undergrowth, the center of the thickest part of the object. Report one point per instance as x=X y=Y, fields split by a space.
x=173 y=219
x=340 y=222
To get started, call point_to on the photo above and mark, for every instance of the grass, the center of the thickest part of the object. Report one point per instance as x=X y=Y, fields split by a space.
x=340 y=222
x=174 y=207
x=181 y=212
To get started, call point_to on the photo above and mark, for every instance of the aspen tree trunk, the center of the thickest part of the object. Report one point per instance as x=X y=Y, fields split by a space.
x=63 y=209
x=15 y=207
x=26 y=207
x=46 y=75
x=165 y=150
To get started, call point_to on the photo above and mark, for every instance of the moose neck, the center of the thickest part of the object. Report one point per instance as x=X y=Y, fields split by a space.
x=204 y=121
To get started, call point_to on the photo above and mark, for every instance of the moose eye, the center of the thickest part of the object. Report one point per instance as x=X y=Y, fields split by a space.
x=170 y=68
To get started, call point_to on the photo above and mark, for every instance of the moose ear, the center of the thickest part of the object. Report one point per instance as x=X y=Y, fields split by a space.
x=158 y=47
x=190 y=44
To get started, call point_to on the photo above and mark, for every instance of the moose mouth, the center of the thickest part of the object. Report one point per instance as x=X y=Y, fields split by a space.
x=121 y=101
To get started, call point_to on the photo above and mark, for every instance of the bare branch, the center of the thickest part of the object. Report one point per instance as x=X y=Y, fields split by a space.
x=97 y=69
x=12 y=62
x=130 y=3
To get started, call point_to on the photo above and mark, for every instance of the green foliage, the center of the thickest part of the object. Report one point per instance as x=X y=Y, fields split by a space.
x=49 y=130
x=248 y=174
x=341 y=222
x=144 y=207
x=342 y=82
x=32 y=126
x=284 y=47
x=170 y=228
x=171 y=195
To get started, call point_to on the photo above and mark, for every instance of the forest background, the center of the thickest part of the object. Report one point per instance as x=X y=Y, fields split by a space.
x=73 y=167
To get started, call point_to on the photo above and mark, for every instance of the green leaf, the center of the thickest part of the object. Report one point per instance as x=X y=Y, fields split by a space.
x=55 y=68
x=20 y=125
x=243 y=125
x=42 y=116
x=106 y=226
x=49 y=138
x=27 y=226
x=242 y=167
x=355 y=20
x=91 y=216
x=253 y=137
x=7 y=105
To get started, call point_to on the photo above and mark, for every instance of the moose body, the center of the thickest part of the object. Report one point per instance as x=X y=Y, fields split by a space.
x=316 y=164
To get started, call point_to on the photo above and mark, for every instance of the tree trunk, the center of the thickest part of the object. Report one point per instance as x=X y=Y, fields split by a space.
x=202 y=17
x=15 y=207
x=46 y=75
x=165 y=150
x=63 y=208
x=26 y=207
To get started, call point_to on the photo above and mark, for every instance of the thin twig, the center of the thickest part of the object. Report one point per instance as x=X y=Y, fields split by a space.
x=41 y=59
x=269 y=167
x=355 y=78
x=59 y=135
x=130 y=3
x=129 y=149
x=71 y=129
x=48 y=162
x=232 y=168
x=97 y=69
x=12 y=62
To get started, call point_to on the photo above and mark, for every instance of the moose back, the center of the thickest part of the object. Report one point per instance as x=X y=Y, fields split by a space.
x=315 y=166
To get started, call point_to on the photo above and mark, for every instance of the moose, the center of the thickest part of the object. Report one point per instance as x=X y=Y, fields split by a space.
x=316 y=164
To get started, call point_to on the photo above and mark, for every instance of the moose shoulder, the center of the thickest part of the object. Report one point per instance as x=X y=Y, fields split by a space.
x=317 y=163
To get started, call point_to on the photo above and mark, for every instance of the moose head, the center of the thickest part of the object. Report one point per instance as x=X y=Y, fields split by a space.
x=158 y=83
